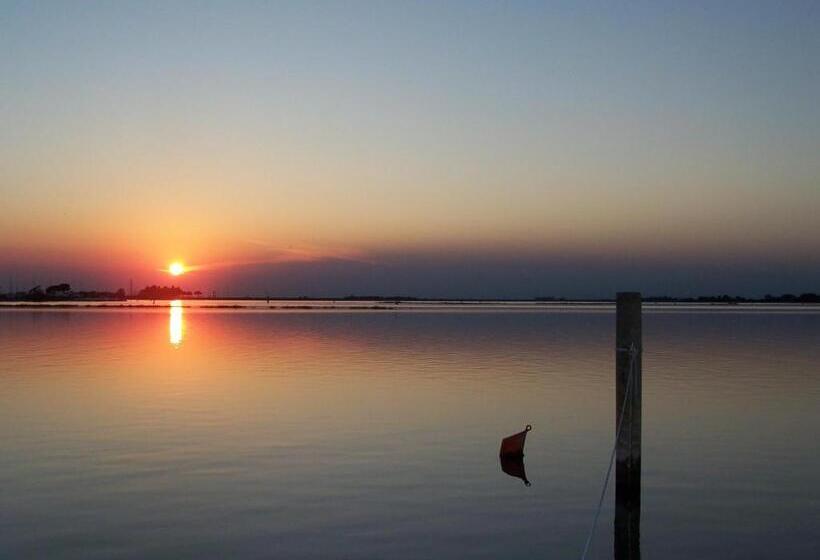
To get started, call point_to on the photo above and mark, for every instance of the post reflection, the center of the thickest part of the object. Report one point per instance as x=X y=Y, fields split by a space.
x=628 y=513
x=175 y=323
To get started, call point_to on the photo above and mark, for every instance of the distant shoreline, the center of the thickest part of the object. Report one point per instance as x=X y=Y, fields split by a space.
x=418 y=305
x=806 y=298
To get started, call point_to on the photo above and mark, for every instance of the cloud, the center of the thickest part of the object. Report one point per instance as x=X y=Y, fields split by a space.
x=306 y=253
x=265 y=253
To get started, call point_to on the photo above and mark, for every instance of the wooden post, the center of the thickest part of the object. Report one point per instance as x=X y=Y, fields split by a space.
x=628 y=347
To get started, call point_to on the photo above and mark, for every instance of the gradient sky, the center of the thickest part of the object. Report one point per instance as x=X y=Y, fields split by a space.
x=476 y=149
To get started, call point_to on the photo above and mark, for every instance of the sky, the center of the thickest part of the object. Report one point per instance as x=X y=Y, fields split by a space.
x=433 y=149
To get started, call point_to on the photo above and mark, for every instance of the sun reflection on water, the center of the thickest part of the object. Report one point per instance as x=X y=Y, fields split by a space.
x=175 y=323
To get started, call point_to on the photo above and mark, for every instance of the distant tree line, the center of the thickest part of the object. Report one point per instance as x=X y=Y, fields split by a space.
x=725 y=298
x=63 y=292
x=791 y=298
x=162 y=292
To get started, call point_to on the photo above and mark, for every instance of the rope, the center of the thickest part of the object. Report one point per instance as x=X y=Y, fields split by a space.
x=633 y=352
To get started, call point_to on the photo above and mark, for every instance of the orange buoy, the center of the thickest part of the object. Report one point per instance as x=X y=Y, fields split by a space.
x=513 y=446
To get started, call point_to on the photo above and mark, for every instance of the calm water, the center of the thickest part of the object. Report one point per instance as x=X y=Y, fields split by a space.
x=205 y=433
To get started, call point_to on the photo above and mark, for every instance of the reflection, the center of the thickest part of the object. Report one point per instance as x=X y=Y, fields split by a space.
x=513 y=465
x=628 y=512
x=175 y=323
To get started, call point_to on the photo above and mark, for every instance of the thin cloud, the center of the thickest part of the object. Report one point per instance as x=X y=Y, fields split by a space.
x=277 y=253
x=273 y=254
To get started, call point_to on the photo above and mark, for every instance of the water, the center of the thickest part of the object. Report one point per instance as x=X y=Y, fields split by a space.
x=257 y=433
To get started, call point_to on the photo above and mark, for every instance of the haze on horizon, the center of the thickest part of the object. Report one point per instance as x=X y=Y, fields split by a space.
x=457 y=149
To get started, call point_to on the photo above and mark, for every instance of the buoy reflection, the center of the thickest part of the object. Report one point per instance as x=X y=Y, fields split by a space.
x=175 y=323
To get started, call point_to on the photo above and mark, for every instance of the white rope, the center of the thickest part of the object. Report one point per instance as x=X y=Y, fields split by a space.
x=633 y=352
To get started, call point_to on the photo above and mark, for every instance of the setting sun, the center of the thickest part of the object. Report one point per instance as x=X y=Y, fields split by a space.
x=176 y=268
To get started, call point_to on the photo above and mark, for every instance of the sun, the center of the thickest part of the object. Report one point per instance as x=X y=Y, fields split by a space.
x=176 y=268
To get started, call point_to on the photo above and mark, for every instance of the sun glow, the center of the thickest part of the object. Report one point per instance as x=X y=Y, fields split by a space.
x=176 y=268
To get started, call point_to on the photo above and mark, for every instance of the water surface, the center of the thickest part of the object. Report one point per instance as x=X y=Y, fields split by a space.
x=258 y=433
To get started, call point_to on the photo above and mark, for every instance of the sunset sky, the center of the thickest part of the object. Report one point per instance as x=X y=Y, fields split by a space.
x=476 y=149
